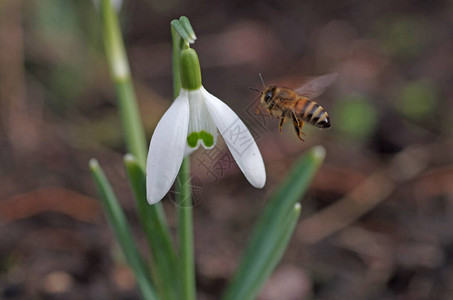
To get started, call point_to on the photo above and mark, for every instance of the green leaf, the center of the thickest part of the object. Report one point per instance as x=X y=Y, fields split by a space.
x=272 y=225
x=120 y=226
x=154 y=224
x=265 y=261
x=134 y=132
x=272 y=255
x=119 y=66
x=113 y=42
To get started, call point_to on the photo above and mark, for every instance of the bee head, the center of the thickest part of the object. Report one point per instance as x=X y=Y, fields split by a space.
x=268 y=93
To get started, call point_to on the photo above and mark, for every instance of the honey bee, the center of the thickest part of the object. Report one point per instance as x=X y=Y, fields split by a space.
x=297 y=104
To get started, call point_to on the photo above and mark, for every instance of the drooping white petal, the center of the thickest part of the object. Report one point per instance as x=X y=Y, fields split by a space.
x=166 y=149
x=238 y=139
x=202 y=129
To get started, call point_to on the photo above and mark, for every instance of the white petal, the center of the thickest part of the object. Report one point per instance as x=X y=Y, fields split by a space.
x=201 y=124
x=166 y=150
x=238 y=139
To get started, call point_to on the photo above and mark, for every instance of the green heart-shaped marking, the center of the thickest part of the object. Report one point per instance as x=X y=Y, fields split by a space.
x=206 y=137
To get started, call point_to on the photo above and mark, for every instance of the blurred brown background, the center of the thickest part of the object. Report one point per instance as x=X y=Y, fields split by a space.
x=377 y=222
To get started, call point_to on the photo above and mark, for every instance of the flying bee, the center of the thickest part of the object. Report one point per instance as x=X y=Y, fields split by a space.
x=297 y=104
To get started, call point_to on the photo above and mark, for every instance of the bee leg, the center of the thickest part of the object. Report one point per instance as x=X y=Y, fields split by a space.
x=258 y=109
x=270 y=113
x=301 y=124
x=282 y=120
x=270 y=107
x=298 y=124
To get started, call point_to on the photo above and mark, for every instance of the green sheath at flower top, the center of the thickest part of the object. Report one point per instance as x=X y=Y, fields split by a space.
x=190 y=70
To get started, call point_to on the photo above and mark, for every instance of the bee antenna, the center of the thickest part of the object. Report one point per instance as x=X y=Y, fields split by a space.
x=261 y=77
x=253 y=89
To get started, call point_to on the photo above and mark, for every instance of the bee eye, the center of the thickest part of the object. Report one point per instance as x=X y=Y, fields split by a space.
x=268 y=96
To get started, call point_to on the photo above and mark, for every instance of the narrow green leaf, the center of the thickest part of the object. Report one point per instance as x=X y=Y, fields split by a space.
x=120 y=226
x=154 y=224
x=113 y=41
x=134 y=132
x=270 y=257
x=289 y=192
x=119 y=68
x=133 y=129
x=269 y=225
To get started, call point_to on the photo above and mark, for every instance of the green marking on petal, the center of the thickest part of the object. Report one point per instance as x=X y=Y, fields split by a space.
x=192 y=139
x=206 y=137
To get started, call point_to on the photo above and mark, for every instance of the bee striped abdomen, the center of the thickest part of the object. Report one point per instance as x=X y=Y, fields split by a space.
x=312 y=112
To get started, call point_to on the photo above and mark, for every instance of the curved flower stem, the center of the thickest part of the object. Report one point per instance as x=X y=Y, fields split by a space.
x=176 y=41
x=184 y=197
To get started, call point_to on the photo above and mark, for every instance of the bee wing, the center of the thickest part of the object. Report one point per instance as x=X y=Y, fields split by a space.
x=316 y=86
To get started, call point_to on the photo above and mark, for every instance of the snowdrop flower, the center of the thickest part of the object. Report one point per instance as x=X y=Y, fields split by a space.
x=193 y=120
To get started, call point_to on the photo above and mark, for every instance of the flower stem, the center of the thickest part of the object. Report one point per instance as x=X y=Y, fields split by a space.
x=184 y=197
x=185 y=229
x=176 y=49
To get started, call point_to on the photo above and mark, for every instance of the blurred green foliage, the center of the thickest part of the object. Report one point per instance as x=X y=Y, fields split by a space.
x=60 y=54
x=403 y=36
x=417 y=100
x=68 y=83
x=355 y=117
